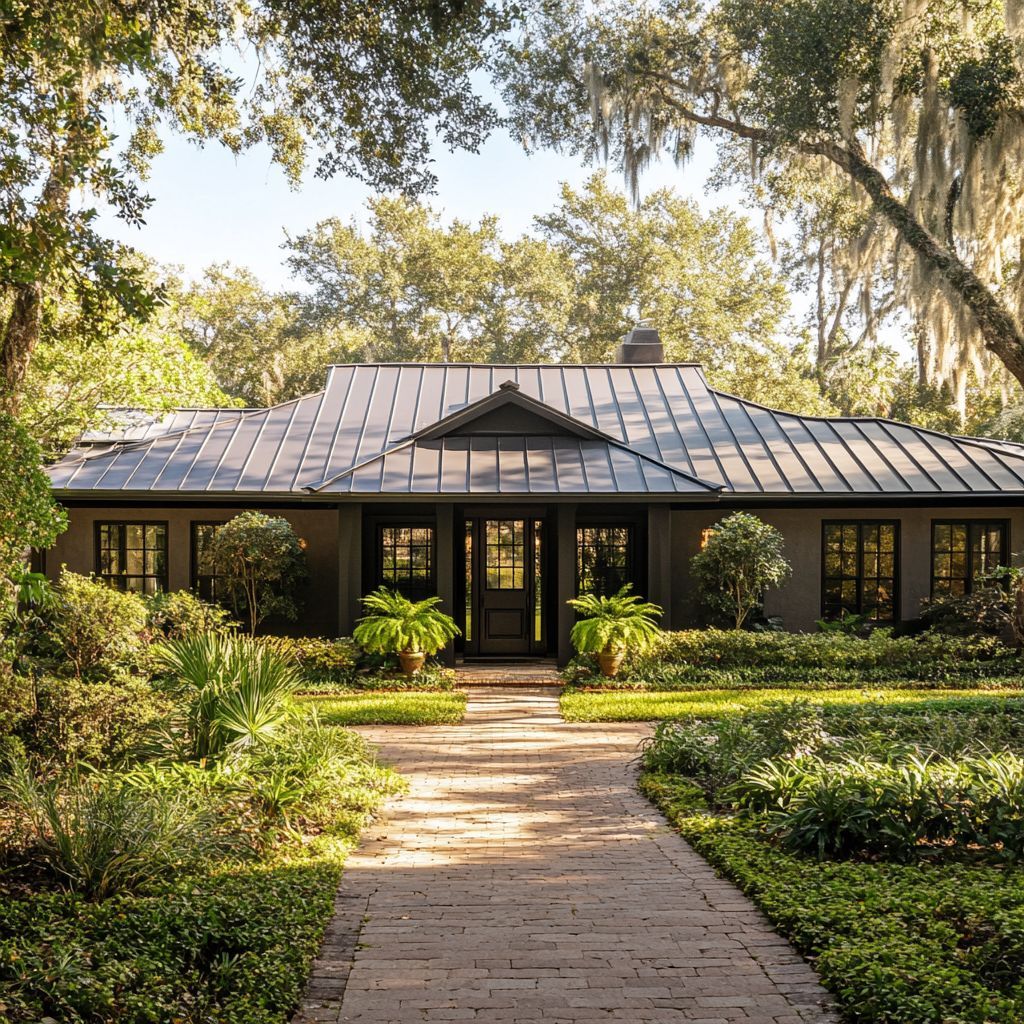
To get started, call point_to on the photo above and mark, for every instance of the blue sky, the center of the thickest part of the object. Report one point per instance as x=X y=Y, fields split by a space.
x=213 y=207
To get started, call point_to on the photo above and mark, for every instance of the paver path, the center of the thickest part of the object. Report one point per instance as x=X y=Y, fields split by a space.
x=523 y=878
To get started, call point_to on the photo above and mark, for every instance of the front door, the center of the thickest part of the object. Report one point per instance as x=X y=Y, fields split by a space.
x=504 y=586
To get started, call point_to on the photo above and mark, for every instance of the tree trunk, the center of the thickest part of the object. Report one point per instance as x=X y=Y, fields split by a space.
x=19 y=339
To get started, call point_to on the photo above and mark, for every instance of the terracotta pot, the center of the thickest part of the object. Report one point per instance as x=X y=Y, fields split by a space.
x=610 y=662
x=412 y=661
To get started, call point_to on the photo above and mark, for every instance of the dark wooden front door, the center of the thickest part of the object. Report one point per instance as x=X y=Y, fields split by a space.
x=504 y=585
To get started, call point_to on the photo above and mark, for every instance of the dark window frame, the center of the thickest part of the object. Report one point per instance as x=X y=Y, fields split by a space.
x=408 y=586
x=194 y=575
x=629 y=571
x=860 y=524
x=1004 y=553
x=120 y=580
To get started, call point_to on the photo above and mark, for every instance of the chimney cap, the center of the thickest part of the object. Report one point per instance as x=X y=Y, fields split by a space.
x=641 y=345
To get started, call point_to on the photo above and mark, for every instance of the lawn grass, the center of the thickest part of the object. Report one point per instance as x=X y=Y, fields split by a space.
x=895 y=943
x=650 y=706
x=390 y=708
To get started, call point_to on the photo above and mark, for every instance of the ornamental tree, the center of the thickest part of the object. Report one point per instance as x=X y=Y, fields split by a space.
x=741 y=558
x=260 y=563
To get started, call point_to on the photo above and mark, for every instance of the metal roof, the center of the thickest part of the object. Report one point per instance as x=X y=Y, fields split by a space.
x=358 y=430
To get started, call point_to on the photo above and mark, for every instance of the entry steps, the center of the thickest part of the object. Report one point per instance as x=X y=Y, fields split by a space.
x=508 y=673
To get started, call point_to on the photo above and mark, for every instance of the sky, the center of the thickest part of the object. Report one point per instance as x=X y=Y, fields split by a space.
x=212 y=207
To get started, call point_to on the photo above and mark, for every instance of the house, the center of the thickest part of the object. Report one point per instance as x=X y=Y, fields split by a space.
x=508 y=489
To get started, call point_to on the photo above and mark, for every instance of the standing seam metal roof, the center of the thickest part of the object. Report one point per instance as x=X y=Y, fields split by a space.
x=660 y=414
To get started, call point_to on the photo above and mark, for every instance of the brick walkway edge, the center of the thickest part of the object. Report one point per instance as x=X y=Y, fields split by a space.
x=524 y=879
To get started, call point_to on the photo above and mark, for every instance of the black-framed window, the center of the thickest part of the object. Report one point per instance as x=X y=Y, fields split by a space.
x=203 y=578
x=505 y=554
x=604 y=559
x=405 y=559
x=963 y=551
x=132 y=556
x=860 y=569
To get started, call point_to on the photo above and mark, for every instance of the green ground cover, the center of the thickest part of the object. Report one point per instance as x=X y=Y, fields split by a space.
x=390 y=708
x=648 y=706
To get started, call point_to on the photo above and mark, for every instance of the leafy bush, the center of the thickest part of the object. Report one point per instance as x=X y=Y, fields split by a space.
x=96 y=627
x=180 y=613
x=323 y=661
x=722 y=658
x=740 y=560
x=899 y=944
x=100 y=723
x=99 y=834
x=260 y=563
x=233 y=692
x=900 y=808
x=984 y=611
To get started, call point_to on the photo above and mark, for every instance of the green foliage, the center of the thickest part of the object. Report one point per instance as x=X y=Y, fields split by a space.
x=984 y=611
x=446 y=708
x=741 y=559
x=29 y=516
x=177 y=614
x=614 y=624
x=722 y=658
x=233 y=692
x=95 y=626
x=396 y=624
x=323 y=662
x=260 y=563
x=912 y=944
x=104 y=724
x=100 y=835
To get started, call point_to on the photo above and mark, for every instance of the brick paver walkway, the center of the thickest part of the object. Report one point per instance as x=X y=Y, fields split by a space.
x=523 y=878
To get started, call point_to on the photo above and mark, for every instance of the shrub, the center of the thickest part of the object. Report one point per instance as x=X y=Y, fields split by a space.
x=100 y=723
x=233 y=691
x=722 y=658
x=984 y=611
x=96 y=627
x=100 y=834
x=260 y=562
x=322 y=661
x=180 y=613
x=740 y=560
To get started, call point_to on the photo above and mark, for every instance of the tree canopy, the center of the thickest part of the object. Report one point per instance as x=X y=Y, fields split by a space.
x=916 y=104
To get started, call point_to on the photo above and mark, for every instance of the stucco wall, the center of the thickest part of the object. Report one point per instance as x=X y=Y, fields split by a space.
x=75 y=548
x=798 y=602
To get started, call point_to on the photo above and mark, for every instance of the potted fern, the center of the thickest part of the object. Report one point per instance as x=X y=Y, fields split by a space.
x=410 y=629
x=612 y=625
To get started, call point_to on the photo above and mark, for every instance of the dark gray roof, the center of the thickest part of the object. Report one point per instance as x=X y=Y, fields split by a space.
x=660 y=425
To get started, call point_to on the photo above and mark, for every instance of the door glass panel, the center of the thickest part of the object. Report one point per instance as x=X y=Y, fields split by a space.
x=469 y=581
x=505 y=554
x=538 y=590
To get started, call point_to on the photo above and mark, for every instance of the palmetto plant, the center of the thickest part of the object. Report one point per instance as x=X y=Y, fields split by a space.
x=610 y=625
x=233 y=691
x=394 y=624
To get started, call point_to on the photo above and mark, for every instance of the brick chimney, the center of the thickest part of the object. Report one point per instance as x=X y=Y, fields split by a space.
x=641 y=345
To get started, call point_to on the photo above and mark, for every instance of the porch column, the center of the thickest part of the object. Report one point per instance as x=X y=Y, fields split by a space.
x=445 y=569
x=350 y=565
x=565 y=582
x=659 y=559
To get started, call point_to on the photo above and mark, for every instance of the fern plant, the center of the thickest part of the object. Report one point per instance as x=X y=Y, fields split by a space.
x=610 y=625
x=396 y=625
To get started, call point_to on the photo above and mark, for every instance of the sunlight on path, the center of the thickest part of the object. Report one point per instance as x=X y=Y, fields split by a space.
x=523 y=878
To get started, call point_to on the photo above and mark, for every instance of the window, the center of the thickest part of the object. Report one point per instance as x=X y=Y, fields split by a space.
x=604 y=559
x=505 y=554
x=859 y=570
x=132 y=556
x=964 y=551
x=204 y=579
x=406 y=559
